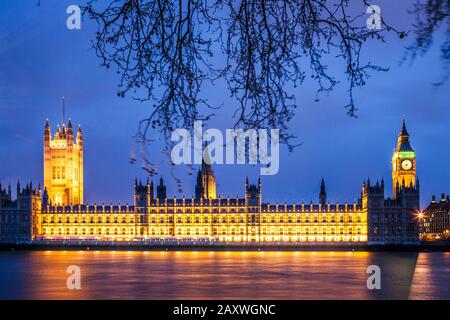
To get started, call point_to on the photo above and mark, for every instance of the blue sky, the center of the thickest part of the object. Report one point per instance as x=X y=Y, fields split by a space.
x=41 y=60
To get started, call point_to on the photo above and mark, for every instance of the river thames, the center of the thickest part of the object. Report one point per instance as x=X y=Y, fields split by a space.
x=223 y=275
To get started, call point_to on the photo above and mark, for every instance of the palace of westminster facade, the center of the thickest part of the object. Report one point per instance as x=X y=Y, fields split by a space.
x=57 y=212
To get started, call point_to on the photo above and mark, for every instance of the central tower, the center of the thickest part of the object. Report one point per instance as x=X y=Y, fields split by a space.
x=205 y=187
x=63 y=165
x=403 y=163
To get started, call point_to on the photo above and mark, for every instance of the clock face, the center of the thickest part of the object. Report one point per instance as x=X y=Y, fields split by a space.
x=406 y=164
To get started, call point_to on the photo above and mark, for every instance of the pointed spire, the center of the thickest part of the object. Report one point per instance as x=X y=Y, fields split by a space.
x=404 y=132
x=323 y=193
x=47 y=125
x=63 y=111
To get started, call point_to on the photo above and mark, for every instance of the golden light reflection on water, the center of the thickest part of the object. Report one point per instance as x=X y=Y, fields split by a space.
x=215 y=275
x=431 y=269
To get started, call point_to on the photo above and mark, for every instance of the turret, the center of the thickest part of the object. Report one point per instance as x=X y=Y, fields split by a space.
x=143 y=193
x=45 y=200
x=199 y=186
x=372 y=196
x=161 y=192
x=47 y=134
x=322 y=194
x=253 y=195
x=149 y=191
x=69 y=133
x=79 y=140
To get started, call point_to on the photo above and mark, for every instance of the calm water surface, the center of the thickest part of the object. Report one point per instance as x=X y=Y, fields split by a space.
x=223 y=275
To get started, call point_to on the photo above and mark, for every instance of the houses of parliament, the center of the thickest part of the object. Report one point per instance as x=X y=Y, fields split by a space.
x=57 y=211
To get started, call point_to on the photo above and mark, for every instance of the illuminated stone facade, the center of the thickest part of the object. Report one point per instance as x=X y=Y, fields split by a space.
x=63 y=165
x=221 y=219
x=208 y=217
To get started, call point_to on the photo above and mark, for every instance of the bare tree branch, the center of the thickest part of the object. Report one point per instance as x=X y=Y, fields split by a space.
x=162 y=48
x=430 y=16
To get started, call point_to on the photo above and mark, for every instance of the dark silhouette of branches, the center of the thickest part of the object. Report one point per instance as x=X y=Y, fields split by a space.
x=162 y=51
x=265 y=46
x=430 y=16
x=156 y=45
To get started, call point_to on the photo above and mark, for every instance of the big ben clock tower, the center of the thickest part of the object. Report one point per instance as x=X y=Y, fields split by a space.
x=403 y=163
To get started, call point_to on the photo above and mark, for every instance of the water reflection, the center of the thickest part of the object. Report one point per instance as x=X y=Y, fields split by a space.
x=222 y=275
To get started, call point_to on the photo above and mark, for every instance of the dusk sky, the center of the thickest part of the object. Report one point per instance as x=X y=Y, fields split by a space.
x=41 y=61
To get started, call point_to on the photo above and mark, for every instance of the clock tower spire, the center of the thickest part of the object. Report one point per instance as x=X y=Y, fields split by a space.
x=403 y=162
